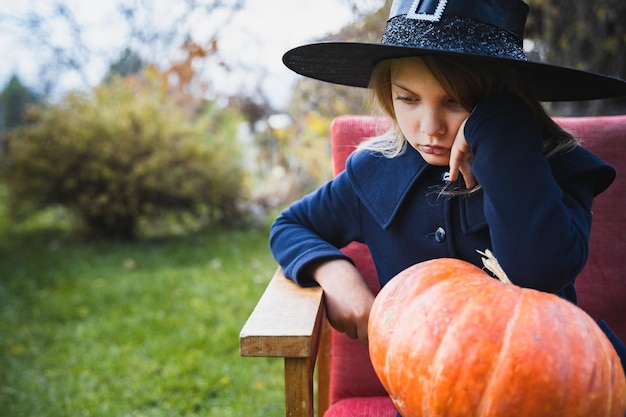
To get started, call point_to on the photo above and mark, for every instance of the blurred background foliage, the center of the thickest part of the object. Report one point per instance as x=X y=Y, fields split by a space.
x=154 y=139
x=587 y=35
x=124 y=154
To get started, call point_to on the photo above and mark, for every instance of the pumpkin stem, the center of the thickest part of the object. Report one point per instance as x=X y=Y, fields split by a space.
x=491 y=263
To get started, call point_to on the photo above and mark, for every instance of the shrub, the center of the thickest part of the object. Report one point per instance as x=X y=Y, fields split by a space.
x=124 y=154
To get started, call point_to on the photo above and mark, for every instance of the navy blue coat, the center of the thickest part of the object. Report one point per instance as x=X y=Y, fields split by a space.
x=534 y=213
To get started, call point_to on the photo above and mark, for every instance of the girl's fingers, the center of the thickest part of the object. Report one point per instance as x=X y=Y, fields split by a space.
x=468 y=176
x=462 y=164
x=461 y=159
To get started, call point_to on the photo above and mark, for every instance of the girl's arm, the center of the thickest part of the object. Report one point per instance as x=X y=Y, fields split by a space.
x=305 y=239
x=539 y=230
x=314 y=228
x=347 y=297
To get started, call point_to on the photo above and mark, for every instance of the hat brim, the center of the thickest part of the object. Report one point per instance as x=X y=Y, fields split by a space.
x=351 y=64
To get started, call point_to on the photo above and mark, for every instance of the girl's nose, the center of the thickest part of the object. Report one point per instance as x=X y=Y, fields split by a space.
x=432 y=123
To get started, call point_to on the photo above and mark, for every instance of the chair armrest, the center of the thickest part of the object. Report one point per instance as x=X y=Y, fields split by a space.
x=287 y=322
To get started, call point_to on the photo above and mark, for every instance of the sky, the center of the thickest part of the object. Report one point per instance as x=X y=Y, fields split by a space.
x=256 y=39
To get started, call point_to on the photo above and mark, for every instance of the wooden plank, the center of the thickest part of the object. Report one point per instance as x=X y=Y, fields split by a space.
x=286 y=321
x=299 y=387
x=323 y=370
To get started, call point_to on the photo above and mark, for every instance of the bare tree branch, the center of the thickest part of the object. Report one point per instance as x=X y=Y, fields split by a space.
x=155 y=30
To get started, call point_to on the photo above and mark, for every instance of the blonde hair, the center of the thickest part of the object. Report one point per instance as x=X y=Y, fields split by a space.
x=470 y=81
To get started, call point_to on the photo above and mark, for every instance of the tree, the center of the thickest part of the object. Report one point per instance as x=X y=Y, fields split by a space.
x=314 y=105
x=148 y=30
x=125 y=155
x=588 y=35
x=129 y=63
x=331 y=100
x=14 y=101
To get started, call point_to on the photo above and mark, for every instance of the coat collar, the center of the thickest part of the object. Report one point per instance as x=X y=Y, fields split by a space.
x=382 y=183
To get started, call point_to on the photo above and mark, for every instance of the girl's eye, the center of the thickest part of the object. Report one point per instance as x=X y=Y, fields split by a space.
x=406 y=99
x=455 y=105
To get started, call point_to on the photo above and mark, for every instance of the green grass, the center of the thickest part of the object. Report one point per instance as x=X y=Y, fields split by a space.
x=98 y=328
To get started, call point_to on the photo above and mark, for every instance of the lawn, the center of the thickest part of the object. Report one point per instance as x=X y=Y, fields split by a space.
x=150 y=328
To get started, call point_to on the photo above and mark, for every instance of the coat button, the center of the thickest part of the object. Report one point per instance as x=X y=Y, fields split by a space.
x=440 y=235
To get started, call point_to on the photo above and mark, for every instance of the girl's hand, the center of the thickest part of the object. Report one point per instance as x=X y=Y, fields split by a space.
x=347 y=297
x=461 y=159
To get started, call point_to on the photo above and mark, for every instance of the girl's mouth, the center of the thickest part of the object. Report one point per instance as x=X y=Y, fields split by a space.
x=434 y=150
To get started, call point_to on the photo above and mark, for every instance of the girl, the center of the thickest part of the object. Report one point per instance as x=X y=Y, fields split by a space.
x=472 y=160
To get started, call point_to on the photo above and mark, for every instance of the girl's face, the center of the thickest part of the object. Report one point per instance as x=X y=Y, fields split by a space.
x=427 y=115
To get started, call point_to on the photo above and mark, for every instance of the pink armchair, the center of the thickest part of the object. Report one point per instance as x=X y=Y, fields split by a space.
x=289 y=321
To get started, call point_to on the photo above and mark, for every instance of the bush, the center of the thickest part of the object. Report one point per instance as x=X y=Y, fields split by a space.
x=125 y=154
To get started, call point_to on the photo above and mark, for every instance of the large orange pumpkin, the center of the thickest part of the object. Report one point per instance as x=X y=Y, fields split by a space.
x=446 y=339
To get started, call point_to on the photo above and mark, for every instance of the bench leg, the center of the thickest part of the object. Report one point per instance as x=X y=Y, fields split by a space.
x=299 y=387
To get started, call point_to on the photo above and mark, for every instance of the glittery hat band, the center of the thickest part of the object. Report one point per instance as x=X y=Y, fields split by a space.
x=453 y=34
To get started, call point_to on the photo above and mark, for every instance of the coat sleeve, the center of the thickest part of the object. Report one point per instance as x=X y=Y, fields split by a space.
x=539 y=227
x=315 y=228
